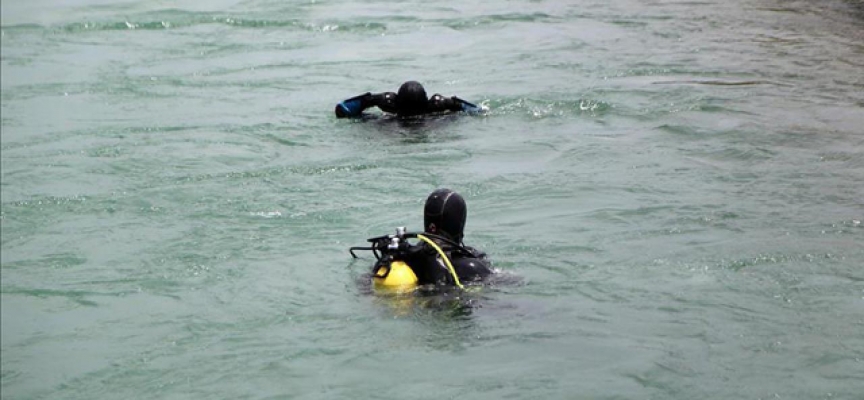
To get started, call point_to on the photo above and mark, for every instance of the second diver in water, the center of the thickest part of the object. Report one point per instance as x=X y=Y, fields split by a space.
x=440 y=257
x=411 y=100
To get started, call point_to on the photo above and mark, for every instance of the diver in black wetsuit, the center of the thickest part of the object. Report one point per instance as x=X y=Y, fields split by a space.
x=444 y=216
x=410 y=101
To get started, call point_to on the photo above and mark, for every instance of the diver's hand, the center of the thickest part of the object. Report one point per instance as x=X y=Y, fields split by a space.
x=341 y=111
x=353 y=107
x=466 y=106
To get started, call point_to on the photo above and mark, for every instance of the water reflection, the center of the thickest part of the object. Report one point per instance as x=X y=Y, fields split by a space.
x=419 y=129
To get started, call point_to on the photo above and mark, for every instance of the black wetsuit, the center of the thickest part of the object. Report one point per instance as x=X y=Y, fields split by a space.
x=387 y=102
x=470 y=264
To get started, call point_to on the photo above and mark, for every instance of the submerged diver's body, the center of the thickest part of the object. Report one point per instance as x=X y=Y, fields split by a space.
x=410 y=101
x=444 y=220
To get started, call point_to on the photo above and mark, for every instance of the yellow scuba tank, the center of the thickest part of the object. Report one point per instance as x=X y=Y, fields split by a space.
x=398 y=276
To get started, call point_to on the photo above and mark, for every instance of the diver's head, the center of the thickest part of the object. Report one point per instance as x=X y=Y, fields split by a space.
x=445 y=214
x=411 y=99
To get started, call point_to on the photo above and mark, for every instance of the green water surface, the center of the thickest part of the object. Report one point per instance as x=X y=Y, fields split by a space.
x=672 y=192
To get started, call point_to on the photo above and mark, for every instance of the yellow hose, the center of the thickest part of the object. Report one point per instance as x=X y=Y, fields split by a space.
x=446 y=260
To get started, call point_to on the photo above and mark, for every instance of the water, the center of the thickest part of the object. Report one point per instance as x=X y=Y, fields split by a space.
x=672 y=191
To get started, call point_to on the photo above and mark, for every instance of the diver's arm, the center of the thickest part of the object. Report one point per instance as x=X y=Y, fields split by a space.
x=439 y=103
x=354 y=107
x=471 y=264
x=385 y=101
x=471 y=269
